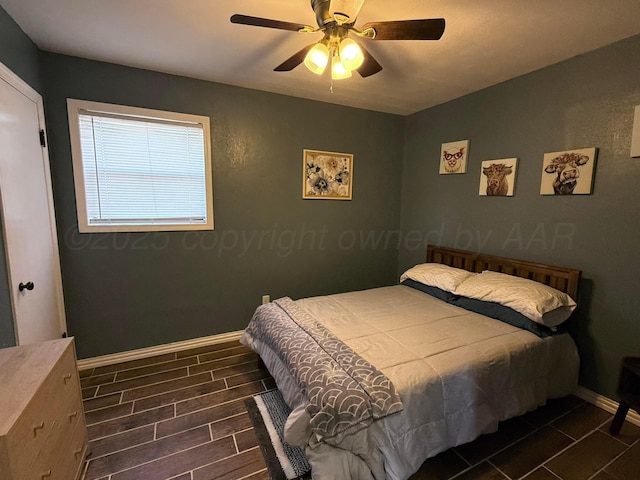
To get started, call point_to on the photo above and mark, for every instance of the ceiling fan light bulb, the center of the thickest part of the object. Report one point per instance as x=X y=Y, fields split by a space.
x=338 y=70
x=351 y=54
x=317 y=58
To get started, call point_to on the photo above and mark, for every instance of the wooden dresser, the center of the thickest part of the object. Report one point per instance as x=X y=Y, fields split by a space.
x=43 y=435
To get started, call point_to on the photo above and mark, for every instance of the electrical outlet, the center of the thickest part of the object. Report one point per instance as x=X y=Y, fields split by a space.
x=266 y=299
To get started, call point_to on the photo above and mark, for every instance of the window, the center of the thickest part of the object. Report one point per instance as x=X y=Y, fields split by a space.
x=138 y=170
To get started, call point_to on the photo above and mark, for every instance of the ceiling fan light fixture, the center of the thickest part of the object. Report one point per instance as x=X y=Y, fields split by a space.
x=317 y=58
x=351 y=54
x=338 y=70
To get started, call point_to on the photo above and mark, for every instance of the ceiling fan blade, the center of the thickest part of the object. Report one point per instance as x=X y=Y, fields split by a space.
x=293 y=61
x=370 y=66
x=428 y=29
x=265 y=22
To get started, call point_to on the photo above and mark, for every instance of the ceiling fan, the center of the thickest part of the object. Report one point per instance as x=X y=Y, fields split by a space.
x=336 y=19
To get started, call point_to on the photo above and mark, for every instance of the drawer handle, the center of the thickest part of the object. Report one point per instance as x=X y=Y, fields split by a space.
x=77 y=452
x=46 y=474
x=66 y=377
x=40 y=426
x=73 y=414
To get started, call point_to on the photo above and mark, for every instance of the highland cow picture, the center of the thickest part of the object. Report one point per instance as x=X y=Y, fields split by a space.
x=453 y=157
x=568 y=173
x=498 y=177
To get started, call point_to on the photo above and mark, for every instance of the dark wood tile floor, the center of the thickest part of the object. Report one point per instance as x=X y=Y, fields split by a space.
x=181 y=416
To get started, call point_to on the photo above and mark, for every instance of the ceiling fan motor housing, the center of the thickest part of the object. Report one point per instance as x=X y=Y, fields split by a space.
x=321 y=9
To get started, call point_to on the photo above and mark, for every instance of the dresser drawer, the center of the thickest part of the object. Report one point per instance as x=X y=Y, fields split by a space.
x=73 y=459
x=62 y=460
x=62 y=446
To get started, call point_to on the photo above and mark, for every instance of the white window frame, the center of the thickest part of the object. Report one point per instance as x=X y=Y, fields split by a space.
x=75 y=107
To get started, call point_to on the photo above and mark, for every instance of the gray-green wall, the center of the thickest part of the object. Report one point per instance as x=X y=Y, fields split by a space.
x=18 y=53
x=127 y=291
x=587 y=101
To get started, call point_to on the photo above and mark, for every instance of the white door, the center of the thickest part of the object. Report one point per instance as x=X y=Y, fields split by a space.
x=27 y=213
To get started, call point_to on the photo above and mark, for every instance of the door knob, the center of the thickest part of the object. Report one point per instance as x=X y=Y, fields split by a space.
x=25 y=286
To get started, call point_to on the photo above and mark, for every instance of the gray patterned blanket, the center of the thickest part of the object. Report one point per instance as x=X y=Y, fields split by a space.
x=345 y=392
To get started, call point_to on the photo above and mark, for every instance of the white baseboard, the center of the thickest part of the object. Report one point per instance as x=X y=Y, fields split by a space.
x=606 y=404
x=87 y=363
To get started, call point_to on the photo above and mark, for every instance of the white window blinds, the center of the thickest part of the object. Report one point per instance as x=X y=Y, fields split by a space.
x=141 y=170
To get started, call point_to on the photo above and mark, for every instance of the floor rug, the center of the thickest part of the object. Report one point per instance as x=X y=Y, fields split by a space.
x=268 y=413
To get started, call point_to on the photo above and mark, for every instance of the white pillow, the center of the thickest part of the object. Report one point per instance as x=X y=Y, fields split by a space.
x=437 y=275
x=541 y=303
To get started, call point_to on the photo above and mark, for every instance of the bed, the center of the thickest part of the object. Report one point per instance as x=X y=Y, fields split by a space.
x=379 y=380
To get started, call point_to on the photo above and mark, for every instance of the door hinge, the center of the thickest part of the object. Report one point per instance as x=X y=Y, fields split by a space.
x=42 y=139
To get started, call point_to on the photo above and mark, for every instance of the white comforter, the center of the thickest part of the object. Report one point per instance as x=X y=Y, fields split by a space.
x=458 y=374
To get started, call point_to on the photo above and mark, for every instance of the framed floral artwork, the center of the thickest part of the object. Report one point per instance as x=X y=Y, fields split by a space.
x=453 y=157
x=498 y=177
x=568 y=173
x=327 y=175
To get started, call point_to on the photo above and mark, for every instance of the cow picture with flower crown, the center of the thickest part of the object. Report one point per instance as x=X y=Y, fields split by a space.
x=497 y=177
x=568 y=173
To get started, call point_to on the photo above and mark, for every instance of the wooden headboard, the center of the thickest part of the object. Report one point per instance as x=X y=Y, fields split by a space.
x=563 y=279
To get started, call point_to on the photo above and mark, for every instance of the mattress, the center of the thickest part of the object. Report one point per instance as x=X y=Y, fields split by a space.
x=458 y=374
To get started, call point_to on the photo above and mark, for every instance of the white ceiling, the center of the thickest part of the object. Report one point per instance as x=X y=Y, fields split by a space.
x=485 y=42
